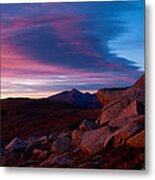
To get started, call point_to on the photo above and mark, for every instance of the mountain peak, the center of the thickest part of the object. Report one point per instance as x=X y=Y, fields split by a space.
x=74 y=91
x=77 y=99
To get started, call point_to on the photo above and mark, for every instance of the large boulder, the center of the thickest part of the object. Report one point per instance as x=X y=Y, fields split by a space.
x=58 y=160
x=135 y=108
x=88 y=125
x=124 y=105
x=121 y=122
x=137 y=141
x=27 y=154
x=32 y=140
x=39 y=154
x=93 y=141
x=42 y=139
x=65 y=134
x=13 y=152
x=61 y=145
x=16 y=144
x=77 y=136
x=119 y=137
x=108 y=95
x=52 y=137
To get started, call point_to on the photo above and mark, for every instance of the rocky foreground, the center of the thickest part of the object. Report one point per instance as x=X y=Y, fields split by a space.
x=114 y=141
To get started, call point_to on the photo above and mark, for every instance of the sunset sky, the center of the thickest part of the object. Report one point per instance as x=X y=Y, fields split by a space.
x=51 y=47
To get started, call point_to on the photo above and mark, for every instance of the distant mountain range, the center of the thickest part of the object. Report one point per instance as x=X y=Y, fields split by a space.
x=77 y=99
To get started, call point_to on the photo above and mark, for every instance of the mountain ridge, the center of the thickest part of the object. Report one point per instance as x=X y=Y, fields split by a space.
x=78 y=99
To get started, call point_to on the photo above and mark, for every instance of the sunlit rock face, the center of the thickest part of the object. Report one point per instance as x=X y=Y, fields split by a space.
x=131 y=102
x=108 y=95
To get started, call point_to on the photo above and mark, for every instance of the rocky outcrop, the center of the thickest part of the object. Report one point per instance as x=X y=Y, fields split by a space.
x=119 y=123
x=39 y=154
x=16 y=144
x=88 y=125
x=108 y=95
x=123 y=118
x=123 y=104
x=93 y=141
x=137 y=141
x=119 y=137
x=61 y=145
x=57 y=160
x=77 y=136
x=135 y=108
x=27 y=154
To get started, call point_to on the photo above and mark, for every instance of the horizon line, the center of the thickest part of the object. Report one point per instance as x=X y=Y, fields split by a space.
x=58 y=92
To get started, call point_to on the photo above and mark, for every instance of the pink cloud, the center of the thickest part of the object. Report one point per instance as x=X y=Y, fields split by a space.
x=67 y=28
x=25 y=76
